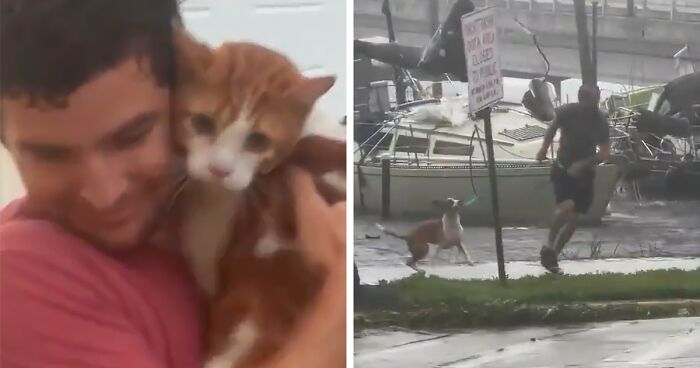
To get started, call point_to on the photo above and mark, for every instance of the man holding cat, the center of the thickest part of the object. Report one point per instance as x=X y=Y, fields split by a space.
x=90 y=274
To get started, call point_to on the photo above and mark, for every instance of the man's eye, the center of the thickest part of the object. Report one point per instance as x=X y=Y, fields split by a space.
x=131 y=140
x=257 y=142
x=133 y=136
x=203 y=124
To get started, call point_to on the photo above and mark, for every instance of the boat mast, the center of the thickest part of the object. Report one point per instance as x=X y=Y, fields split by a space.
x=398 y=75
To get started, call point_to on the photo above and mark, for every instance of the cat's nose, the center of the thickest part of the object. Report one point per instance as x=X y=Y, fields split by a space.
x=218 y=171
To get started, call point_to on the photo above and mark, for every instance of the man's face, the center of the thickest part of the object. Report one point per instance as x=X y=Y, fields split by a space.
x=100 y=165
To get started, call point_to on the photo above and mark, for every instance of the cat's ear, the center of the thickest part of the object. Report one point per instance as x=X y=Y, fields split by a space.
x=193 y=58
x=311 y=89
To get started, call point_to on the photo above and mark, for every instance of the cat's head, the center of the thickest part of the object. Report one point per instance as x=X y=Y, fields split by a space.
x=241 y=109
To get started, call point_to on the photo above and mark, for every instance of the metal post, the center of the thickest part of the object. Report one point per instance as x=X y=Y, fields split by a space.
x=673 y=10
x=399 y=86
x=630 y=8
x=583 y=47
x=494 y=196
x=386 y=187
x=555 y=6
x=437 y=91
x=594 y=43
x=604 y=7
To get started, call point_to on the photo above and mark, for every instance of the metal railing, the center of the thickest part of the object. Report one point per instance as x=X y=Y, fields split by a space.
x=673 y=10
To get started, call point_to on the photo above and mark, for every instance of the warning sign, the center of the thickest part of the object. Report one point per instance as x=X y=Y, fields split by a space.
x=483 y=60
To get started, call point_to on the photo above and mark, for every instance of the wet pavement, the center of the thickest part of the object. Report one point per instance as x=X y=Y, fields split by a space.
x=633 y=229
x=653 y=343
x=489 y=270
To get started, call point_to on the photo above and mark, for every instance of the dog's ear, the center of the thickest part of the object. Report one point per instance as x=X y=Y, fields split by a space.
x=441 y=204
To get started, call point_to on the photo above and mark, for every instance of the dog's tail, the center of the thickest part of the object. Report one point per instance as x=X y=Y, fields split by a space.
x=389 y=232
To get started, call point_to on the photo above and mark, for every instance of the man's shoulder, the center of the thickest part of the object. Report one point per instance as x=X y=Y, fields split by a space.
x=46 y=271
x=41 y=243
x=19 y=230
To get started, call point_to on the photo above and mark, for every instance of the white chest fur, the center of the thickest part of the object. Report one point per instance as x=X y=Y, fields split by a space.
x=452 y=228
x=208 y=214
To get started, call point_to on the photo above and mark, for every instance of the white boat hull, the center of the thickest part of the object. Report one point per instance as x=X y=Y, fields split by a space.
x=526 y=195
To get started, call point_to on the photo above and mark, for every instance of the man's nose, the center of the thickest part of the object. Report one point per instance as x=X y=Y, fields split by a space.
x=102 y=184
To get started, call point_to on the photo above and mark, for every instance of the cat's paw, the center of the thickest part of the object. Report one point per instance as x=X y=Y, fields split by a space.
x=240 y=342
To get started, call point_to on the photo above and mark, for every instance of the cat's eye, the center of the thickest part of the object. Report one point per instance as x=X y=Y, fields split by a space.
x=203 y=124
x=257 y=142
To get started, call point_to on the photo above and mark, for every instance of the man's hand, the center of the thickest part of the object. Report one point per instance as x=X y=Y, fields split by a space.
x=541 y=155
x=319 y=342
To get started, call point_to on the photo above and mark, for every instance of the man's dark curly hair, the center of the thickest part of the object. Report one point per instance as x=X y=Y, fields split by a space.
x=49 y=48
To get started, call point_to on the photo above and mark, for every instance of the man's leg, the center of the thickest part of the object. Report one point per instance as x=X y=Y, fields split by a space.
x=562 y=217
x=558 y=231
x=564 y=195
x=583 y=198
x=567 y=231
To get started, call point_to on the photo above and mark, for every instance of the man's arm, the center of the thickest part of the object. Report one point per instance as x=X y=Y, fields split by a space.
x=319 y=342
x=53 y=314
x=548 y=139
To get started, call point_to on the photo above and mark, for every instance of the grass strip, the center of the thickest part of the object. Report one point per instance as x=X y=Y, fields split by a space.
x=435 y=303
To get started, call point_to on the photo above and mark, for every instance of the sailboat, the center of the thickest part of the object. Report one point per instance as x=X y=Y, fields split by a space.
x=434 y=149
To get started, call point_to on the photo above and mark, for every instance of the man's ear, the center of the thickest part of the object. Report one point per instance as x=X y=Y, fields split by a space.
x=193 y=58
x=311 y=89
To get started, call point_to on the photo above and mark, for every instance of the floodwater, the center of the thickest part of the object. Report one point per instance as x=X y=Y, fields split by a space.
x=633 y=229
x=654 y=343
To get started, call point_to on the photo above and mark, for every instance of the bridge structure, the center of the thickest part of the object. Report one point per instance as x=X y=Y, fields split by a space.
x=636 y=39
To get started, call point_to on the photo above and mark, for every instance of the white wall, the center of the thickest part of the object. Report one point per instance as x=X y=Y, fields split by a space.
x=310 y=32
x=10 y=183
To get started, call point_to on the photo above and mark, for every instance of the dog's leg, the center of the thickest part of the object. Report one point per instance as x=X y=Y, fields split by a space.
x=435 y=248
x=412 y=263
x=464 y=251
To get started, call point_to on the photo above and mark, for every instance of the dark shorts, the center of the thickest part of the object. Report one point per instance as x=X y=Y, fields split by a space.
x=579 y=190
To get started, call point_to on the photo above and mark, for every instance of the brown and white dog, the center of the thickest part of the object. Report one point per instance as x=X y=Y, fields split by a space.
x=444 y=233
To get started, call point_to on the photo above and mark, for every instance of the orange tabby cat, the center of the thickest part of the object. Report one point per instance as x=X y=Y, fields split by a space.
x=246 y=113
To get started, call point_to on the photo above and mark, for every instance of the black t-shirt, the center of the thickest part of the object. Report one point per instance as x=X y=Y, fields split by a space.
x=583 y=128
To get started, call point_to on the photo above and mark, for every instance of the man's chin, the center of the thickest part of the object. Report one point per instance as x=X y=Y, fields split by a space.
x=115 y=239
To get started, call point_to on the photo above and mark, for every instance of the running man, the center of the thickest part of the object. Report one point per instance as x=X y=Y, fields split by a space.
x=583 y=129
